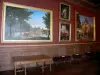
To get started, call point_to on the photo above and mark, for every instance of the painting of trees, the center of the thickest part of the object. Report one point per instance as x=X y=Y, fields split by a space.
x=16 y=17
x=46 y=21
x=24 y=23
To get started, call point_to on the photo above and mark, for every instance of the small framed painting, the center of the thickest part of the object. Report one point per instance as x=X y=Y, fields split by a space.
x=64 y=31
x=25 y=24
x=64 y=11
x=85 y=27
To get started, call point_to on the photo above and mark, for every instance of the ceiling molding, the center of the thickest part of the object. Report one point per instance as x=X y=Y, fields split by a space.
x=83 y=3
x=87 y=1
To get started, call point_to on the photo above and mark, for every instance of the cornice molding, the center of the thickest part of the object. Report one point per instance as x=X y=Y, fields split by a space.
x=83 y=3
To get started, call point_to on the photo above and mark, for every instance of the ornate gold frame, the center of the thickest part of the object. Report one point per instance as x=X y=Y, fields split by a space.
x=69 y=30
x=94 y=29
x=3 y=40
x=64 y=6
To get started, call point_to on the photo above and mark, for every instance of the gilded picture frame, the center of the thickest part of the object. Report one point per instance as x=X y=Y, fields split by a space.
x=64 y=11
x=64 y=31
x=84 y=28
x=26 y=24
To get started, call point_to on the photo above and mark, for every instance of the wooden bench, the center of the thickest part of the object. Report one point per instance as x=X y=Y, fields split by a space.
x=24 y=60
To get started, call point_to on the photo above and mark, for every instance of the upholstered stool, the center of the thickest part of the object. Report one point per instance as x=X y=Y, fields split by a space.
x=89 y=55
x=77 y=58
x=62 y=59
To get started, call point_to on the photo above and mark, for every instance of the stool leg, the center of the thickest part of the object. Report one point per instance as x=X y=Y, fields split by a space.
x=70 y=61
x=50 y=65
x=43 y=67
x=15 y=68
x=25 y=69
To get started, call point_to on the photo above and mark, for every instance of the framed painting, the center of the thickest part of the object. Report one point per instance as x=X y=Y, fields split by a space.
x=26 y=24
x=64 y=31
x=64 y=11
x=85 y=27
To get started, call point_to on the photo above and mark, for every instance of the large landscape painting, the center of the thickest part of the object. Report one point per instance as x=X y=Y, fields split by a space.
x=26 y=24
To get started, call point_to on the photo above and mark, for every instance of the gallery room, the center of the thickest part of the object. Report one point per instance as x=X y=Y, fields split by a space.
x=50 y=37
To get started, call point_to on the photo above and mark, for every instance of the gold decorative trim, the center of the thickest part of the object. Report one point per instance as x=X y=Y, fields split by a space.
x=26 y=7
x=64 y=22
x=69 y=16
x=94 y=27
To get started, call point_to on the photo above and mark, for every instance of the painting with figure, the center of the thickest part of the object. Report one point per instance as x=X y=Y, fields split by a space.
x=85 y=27
x=26 y=24
x=64 y=11
x=65 y=31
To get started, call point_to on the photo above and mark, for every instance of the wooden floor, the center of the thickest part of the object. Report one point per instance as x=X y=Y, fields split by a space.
x=82 y=68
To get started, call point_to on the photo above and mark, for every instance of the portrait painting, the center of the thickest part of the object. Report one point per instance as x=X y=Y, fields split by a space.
x=22 y=23
x=64 y=11
x=85 y=27
x=64 y=31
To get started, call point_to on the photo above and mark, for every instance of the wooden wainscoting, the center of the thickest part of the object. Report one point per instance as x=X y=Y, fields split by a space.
x=8 y=51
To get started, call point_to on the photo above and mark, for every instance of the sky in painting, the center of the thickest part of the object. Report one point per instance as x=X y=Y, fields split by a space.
x=36 y=19
x=90 y=19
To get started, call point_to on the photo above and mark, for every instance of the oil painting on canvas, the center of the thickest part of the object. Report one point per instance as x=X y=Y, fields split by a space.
x=85 y=27
x=26 y=24
x=64 y=11
x=65 y=31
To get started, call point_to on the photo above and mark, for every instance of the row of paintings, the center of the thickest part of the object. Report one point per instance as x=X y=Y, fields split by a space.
x=84 y=25
x=29 y=24
x=64 y=27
